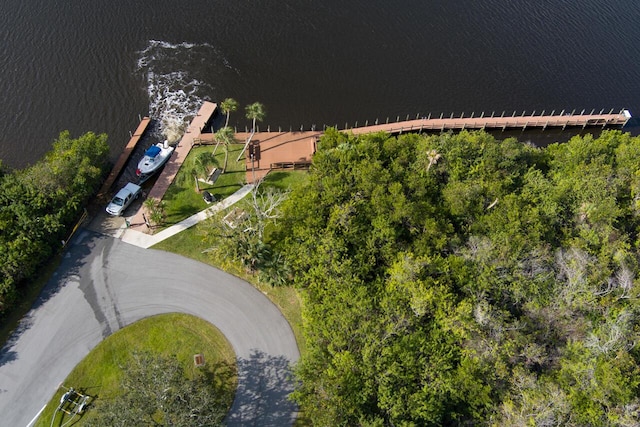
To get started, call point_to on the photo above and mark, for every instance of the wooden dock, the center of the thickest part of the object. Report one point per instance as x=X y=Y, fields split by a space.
x=278 y=151
x=542 y=121
x=293 y=150
x=182 y=149
x=124 y=156
x=192 y=133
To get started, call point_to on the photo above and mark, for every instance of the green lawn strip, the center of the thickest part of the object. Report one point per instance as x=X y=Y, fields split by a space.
x=189 y=243
x=179 y=335
x=182 y=200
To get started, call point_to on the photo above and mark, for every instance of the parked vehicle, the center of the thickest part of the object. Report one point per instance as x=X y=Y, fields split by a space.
x=123 y=198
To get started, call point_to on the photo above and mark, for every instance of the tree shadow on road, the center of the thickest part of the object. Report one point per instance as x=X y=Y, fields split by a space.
x=73 y=261
x=264 y=385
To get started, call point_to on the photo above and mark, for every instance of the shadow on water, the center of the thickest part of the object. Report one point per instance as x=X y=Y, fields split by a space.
x=264 y=385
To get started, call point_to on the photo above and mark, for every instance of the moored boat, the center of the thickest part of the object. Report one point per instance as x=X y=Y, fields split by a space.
x=155 y=156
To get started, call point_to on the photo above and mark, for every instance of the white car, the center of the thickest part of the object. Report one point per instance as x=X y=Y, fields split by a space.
x=123 y=198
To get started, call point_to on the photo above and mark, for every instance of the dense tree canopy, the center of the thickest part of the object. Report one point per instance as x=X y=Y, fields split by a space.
x=156 y=392
x=457 y=279
x=39 y=203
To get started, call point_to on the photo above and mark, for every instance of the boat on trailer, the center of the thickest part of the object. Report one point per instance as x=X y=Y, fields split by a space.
x=153 y=159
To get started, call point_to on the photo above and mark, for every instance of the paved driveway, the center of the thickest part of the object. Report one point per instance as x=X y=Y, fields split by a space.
x=103 y=285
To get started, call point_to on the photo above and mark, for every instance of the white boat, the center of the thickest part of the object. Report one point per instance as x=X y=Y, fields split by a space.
x=155 y=156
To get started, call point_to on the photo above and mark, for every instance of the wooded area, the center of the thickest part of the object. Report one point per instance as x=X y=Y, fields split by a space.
x=40 y=204
x=457 y=279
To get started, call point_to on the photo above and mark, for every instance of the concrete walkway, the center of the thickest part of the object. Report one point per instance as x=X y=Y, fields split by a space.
x=144 y=240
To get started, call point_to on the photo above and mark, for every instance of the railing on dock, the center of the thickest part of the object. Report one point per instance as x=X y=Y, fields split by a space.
x=560 y=120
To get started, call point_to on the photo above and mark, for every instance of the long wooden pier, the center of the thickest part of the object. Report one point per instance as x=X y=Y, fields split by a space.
x=284 y=150
x=542 y=121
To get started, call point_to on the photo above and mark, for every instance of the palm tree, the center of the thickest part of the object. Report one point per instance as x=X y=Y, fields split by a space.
x=200 y=167
x=254 y=112
x=225 y=136
x=196 y=169
x=228 y=106
x=433 y=157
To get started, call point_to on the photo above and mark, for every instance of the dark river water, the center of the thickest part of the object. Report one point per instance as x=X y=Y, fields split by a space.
x=96 y=65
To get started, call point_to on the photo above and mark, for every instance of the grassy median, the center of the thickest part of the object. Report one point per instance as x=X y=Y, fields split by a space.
x=170 y=335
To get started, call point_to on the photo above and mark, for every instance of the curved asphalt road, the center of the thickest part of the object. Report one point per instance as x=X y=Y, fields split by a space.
x=103 y=285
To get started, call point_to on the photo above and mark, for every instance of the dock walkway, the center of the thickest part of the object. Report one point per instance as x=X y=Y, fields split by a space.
x=561 y=120
x=294 y=150
x=180 y=153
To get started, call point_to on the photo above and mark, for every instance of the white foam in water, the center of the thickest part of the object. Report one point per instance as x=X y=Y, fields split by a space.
x=176 y=82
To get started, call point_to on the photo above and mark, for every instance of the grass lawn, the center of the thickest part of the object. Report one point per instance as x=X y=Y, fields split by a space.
x=182 y=335
x=190 y=243
x=182 y=200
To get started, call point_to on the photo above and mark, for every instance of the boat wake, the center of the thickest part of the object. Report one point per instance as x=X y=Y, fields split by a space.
x=180 y=77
